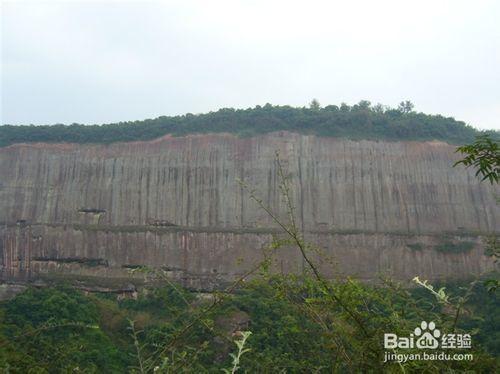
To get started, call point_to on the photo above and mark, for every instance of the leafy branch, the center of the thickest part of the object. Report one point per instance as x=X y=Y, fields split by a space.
x=484 y=156
x=293 y=231
x=240 y=343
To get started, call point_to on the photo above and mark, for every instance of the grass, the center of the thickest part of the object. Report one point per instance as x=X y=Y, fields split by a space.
x=91 y=262
x=415 y=246
x=450 y=247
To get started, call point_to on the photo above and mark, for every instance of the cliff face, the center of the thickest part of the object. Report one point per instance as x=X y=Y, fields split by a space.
x=363 y=201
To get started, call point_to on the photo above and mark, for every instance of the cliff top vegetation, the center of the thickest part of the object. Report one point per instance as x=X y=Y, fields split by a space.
x=360 y=121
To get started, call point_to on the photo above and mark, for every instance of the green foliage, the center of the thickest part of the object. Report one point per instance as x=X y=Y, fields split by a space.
x=415 y=246
x=61 y=305
x=484 y=156
x=440 y=294
x=240 y=344
x=295 y=328
x=165 y=301
x=405 y=106
x=314 y=105
x=493 y=250
x=90 y=262
x=483 y=317
x=450 y=247
x=284 y=337
x=360 y=121
x=53 y=331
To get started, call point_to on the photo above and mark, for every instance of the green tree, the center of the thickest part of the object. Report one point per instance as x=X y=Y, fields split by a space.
x=361 y=121
x=406 y=107
x=314 y=105
x=484 y=156
x=55 y=330
x=364 y=104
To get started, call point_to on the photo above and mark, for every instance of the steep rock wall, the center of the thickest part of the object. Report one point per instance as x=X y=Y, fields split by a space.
x=94 y=202
x=211 y=259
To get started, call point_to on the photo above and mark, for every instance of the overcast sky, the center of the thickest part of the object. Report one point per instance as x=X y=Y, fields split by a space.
x=108 y=61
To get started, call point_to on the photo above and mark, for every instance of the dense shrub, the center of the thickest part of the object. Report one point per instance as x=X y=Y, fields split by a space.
x=295 y=328
x=450 y=247
x=361 y=121
x=55 y=330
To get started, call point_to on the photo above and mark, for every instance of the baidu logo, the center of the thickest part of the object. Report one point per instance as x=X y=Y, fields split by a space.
x=427 y=336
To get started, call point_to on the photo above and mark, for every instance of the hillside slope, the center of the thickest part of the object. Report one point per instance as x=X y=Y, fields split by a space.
x=361 y=121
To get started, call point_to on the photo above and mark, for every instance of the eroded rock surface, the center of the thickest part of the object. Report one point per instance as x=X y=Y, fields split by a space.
x=97 y=211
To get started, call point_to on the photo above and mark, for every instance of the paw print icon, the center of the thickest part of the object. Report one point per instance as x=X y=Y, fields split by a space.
x=427 y=335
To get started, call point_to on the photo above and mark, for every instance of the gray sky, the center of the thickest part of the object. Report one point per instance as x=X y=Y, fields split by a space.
x=109 y=61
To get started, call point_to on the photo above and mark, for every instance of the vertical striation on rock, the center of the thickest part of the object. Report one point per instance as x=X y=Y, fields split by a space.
x=340 y=186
